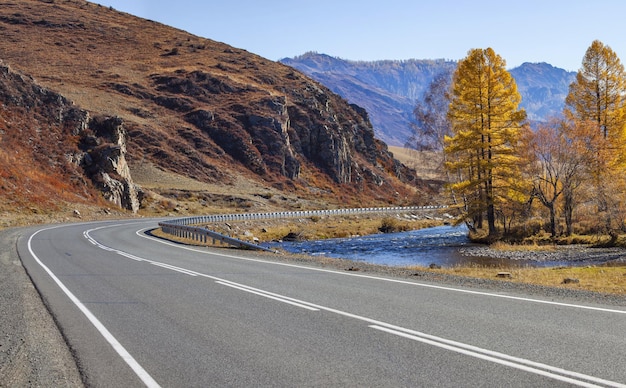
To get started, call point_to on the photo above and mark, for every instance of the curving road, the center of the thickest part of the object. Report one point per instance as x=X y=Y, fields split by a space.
x=140 y=311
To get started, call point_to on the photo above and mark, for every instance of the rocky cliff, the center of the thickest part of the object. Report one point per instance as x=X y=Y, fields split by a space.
x=104 y=161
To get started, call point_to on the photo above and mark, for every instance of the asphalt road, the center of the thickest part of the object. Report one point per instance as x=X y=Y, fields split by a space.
x=140 y=311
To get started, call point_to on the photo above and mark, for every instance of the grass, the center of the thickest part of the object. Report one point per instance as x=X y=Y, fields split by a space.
x=428 y=163
x=610 y=280
x=531 y=247
x=318 y=228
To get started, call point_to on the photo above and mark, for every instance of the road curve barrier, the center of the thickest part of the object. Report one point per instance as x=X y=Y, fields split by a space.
x=186 y=227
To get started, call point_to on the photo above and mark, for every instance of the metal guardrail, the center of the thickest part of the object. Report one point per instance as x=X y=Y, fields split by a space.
x=203 y=235
x=183 y=227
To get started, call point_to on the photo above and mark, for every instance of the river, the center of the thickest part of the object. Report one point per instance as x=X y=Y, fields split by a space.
x=438 y=245
x=441 y=246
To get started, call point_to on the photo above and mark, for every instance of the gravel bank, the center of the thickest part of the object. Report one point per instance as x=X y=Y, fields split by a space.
x=572 y=254
x=32 y=351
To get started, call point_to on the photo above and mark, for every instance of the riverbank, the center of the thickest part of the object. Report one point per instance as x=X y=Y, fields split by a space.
x=579 y=267
x=576 y=254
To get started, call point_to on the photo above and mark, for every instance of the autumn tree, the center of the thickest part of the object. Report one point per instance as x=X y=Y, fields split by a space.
x=559 y=154
x=599 y=95
x=582 y=143
x=481 y=152
x=599 y=91
x=544 y=152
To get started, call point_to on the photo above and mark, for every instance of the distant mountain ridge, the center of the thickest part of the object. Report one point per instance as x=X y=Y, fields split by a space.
x=389 y=89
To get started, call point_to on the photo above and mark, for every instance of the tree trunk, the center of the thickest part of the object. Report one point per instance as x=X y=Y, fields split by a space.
x=568 y=210
x=491 y=219
x=491 y=211
x=552 y=219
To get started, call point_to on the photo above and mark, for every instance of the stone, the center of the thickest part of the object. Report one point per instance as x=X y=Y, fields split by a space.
x=570 y=281
x=292 y=236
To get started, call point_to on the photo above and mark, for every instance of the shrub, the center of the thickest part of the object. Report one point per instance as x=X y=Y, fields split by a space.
x=391 y=225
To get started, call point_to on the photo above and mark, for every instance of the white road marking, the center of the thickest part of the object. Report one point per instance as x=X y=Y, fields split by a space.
x=503 y=359
x=185 y=271
x=117 y=346
x=265 y=294
x=173 y=268
x=546 y=370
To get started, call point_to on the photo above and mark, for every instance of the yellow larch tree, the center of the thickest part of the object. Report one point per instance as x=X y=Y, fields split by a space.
x=599 y=92
x=486 y=122
x=598 y=95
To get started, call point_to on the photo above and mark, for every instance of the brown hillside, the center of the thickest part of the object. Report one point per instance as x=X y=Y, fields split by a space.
x=200 y=110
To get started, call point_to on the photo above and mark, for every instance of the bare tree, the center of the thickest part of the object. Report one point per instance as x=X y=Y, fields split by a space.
x=431 y=115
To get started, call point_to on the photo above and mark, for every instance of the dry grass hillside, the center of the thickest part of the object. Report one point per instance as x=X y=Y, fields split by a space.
x=205 y=121
x=427 y=164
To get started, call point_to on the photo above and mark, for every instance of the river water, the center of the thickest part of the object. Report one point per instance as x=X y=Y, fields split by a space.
x=439 y=245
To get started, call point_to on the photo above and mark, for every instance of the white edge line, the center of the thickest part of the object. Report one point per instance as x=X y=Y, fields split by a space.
x=117 y=346
x=519 y=298
x=468 y=349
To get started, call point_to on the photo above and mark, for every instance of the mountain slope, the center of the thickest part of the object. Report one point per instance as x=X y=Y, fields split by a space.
x=202 y=109
x=390 y=89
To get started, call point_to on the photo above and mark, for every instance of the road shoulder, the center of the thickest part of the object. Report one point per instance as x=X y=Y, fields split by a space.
x=32 y=350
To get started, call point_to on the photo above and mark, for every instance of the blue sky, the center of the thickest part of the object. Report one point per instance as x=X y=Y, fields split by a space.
x=553 y=31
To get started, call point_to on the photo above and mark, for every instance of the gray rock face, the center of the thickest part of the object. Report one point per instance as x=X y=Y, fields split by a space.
x=278 y=133
x=106 y=163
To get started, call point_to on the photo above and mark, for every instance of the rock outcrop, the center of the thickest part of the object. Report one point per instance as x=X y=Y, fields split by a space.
x=63 y=140
x=105 y=162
